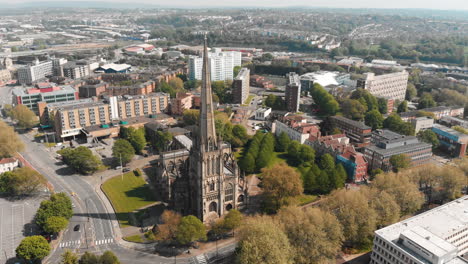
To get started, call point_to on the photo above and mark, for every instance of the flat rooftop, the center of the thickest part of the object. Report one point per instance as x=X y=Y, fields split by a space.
x=442 y=221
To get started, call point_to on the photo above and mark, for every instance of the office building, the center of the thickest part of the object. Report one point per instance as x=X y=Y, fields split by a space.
x=293 y=92
x=37 y=71
x=454 y=121
x=57 y=66
x=114 y=68
x=437 y=236
x=358 y=132
x=451 y=141
x=388 y=143
x=241 y=86
x=354 y=163
x=184 y=101
x=44 y=92
x=438 y=111
x=326 y=79
x=76 y=70
x=221 y=64
x=262 y=113
x=422 y=123
x=388 y=86
x=296 y=127
x=71 y=119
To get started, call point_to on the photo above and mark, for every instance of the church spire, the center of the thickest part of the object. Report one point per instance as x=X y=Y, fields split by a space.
x=207 y=136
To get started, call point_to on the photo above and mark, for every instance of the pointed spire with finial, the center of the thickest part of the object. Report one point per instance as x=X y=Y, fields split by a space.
x=207 y=137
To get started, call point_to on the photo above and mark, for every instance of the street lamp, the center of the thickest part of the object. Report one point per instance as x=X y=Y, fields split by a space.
x=175 y=255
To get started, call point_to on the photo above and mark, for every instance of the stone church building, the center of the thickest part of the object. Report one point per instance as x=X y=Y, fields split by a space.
x=204 y=179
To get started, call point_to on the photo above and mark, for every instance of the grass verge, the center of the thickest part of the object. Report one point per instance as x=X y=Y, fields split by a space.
x=127 y=194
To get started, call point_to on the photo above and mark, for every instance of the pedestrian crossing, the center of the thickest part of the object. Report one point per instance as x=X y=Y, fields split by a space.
x=201 y=259
x=77 y=243
x=104 y=241
x=68 y=244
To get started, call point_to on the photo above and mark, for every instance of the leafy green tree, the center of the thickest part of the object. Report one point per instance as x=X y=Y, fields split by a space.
x=396 y=124
x=426 y=101
x=69 y=257
x=108 y=258
x=232 y=220
x=89 y=258
x=353 y=109
x=22 y=181
x=137 y=139
x=33 y=249
x=10 y=143
x=267 y=57
x=400 y=161
x=261 y=241
x=324 y=100
x=162 y=140
x=339 y=176
x=429 y=137
x=280 y=183
x=282 y=142
x=236 y=70
x=55 y=224
x=327 y=162
x=411 y=92
x=177 y=84
x=294 y=149
x=374 y=119
x=239 y=132
x=190 y=229
x=24 y=116
x=366 y=99
x=306 y=153
x=81 y=159
x=313 y=234
x=248 y=163
x=402 y=107
x=59 y=204
x=123 y=151
x=382 y=105
x=191 y=117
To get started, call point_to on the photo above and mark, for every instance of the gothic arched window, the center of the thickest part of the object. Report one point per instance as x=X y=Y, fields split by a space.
x=213 y=207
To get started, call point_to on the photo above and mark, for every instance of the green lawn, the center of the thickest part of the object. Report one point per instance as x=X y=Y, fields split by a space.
x=278 y=157
x=134 y=238
x=304 y=199
x=127 y=195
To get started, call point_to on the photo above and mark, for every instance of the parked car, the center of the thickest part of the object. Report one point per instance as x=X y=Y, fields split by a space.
x=126 y=169
x=118 y=167
x=77 y=228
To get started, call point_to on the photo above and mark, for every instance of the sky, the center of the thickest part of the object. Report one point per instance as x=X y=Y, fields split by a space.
x=426 y=4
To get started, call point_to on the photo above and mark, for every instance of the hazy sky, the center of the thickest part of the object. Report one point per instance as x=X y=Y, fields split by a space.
x=430 y=4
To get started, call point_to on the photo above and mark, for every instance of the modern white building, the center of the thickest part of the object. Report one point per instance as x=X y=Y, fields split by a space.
x=262 y=113
x=438 y=236
x=389 y=86
x=222 y=65
x=422 y=123
x=37 y=71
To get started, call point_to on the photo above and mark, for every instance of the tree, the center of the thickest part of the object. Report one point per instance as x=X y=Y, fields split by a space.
x=429 y=137
x=426 y=101
x=382 y=105
x=69 y=257
x=306 y=154
x=411 y=92
x=325 y=101
x=24 y=116
x=123 y=151
x=22 y=181
x=402 y=107
x=55 y=224
x=281 y=182
x=405 y=193
x=236 y=70
x=190 y=229
x=81 y=159
x=316 y=236
x=89 y=258
x=59 y=204
x=396 y=124
x=267 y=57
x=137 y=139
x=162 y=140
x=191 y=116
x=33 y=248
x=400 y=161
x=167 y=230
x=240 y=133
x=232 y=220
x=176 y=83
x=108 y=258
x=282 y=142
x=10 y=143
x=374 y=119
x=357 y=217
x=248 y=163
x=387 y=209
x=353 y=109
x=261 y=241
x=294 y=149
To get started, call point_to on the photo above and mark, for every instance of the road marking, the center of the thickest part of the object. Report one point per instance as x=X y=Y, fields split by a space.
x=201 y=259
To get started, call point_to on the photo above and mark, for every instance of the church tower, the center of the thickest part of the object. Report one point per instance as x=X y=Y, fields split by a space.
x=214 y=181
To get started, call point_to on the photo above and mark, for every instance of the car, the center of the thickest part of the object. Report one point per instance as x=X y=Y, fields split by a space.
x=77 y=228
x=126 y=170
x=118 y=167
x=145 y=155
x=73 y=205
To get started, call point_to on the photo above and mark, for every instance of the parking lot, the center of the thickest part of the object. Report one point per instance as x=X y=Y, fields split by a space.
x=15 y=223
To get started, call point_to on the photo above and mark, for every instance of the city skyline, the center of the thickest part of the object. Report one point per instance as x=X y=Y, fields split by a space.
x=379 y=4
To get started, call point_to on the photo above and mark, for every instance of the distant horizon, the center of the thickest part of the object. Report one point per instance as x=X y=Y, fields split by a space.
x=436 y=5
